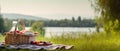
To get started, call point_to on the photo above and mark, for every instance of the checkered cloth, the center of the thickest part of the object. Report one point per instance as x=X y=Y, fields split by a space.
x=36 y=47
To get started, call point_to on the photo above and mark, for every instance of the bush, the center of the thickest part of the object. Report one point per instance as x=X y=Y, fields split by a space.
x=38 y=27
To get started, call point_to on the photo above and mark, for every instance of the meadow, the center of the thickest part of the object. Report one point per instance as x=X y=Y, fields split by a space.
x=84 y=42
x=92 y=42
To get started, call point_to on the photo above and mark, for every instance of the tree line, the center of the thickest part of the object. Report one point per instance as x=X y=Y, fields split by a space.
x=6 y=24
x=70 y=23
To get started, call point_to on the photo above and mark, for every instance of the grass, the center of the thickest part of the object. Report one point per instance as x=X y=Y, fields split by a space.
x=1 y=38
x=93 y=42
x=86 y=42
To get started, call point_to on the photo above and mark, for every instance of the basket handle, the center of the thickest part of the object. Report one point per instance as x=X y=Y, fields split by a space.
x=22 y=23
x=16 y=27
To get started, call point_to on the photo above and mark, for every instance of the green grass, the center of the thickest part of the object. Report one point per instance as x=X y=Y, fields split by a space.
x=92 y=42
x=1 y=38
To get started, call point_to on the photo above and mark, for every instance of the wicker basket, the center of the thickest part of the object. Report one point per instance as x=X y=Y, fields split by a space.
x=17 y=39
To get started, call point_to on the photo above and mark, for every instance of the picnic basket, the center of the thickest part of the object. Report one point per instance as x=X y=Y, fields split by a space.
x=18 y=39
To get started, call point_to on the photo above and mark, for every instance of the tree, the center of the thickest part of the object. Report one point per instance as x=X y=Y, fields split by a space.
x=73 y=19
x=7 y=25
x=1 y=24
x=107 y=11
x=38 y=27
x=79 y=19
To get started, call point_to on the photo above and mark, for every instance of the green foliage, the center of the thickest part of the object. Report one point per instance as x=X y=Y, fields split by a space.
x=73 y=19
x=7 y=24
x=57 y=23
x=20 y=27
x=97 y=28
x=1 y=24
x=79 y=19
x=70 y=23
x=1 y=38
x=108 y=11
x=38 y=27
x=112 y=27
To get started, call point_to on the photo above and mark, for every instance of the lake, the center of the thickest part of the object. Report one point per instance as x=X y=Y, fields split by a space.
x=57 y=31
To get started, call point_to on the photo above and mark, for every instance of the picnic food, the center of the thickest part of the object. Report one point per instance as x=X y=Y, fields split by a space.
x=26 y=32
x=40 y=43
x=17 y=32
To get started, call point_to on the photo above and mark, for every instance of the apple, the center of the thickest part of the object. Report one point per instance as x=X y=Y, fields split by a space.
x=18 y=31
x=32 y=42
x=11 y=32
x=36 y=43
x=21 y=33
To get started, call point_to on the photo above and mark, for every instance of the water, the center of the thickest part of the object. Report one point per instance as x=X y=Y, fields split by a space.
x=57 y=31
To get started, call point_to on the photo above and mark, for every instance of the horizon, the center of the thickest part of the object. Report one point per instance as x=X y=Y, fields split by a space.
x=53 y=9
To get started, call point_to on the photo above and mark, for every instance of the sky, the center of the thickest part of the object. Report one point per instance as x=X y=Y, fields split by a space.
x=51 y=9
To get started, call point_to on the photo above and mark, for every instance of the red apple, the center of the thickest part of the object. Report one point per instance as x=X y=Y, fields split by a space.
x=18 y=31
x=32 y=42
x=21 y=33
x=35 y=43
x=11 y=32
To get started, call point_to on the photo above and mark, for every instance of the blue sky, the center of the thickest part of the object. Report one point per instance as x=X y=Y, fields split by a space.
x=52 y=9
